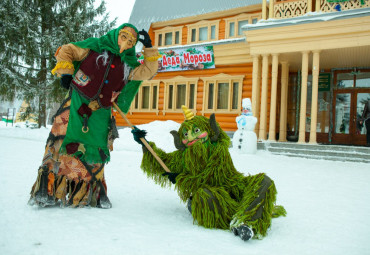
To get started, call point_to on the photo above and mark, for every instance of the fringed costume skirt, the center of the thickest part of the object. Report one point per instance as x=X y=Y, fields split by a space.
x=66 y=179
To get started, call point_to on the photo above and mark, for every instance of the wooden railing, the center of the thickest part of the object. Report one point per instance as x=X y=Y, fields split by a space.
x=296 y=8
x=344 y=6
x=289 y=9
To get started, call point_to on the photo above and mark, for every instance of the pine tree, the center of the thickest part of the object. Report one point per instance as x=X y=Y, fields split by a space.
x=30 y=33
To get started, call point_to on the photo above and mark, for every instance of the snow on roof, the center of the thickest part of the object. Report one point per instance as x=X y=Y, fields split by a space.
x=310 y=17
x=146 y=12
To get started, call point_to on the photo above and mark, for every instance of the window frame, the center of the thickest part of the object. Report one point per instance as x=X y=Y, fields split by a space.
x=138 y=98
x=217 y=79
x=179 y=80
x=162 y=32
x=202 y=24
x=236 y=19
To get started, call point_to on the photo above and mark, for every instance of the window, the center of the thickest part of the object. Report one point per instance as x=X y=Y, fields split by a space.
x=355 y=78
x=231 y=29
x=180 y=91
x=168 y=39
x=147 y=97
x=222 y=93
x=210 y=95
x=160 y=40
x=193 y=35
x=177 y=37
x=240 y=24
x=234 y=25
x=213 y=32
x=202 y=31
x=168 y=36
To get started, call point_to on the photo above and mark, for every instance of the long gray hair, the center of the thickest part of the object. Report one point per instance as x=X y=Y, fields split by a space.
x=105 y=57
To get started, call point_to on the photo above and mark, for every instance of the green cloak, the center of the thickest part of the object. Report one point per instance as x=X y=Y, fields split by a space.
x=95 y=141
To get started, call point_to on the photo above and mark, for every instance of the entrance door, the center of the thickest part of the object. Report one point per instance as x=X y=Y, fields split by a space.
x=348 y=105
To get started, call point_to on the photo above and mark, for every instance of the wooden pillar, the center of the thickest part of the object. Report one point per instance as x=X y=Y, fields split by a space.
x=258 y=105
x=274 y=77
x=315 y=95
x=271 y=9
x=302 y=112
x=318 y=6
x=256 y=79
x=309 y=5
x=283 y=101
x=264 y=11
x=264 y=94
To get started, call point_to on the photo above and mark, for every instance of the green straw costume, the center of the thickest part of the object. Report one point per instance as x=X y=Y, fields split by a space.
x=218 y=195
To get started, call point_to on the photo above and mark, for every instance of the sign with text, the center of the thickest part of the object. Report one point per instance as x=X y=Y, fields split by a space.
x=182 y=59
x=324 y=81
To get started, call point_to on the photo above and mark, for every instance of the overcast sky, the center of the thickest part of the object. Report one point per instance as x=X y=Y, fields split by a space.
x=120 y=9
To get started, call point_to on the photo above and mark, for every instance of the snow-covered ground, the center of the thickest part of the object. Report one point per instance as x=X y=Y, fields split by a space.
x=328 y=205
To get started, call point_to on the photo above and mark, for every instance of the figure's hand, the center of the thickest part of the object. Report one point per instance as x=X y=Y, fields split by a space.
x=171 y=176
x=65 y=81
x=138 y=133
x=147 y=42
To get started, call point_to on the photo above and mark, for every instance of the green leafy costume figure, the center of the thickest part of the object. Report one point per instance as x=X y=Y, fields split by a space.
x=218 y=196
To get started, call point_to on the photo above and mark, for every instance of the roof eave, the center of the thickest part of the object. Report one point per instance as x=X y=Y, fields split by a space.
x=212 y=15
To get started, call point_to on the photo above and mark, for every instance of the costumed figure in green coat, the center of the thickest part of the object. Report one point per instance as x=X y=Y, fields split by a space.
x=96 y=72
x=217 y=195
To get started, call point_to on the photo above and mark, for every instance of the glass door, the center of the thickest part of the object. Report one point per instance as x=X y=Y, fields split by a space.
x=342 y=118
x=360 y=130
x=351 y=92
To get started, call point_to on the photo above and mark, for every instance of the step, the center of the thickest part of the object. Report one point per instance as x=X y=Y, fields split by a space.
x=344 y=156
x=318 y=151
x=321 y=147
x=326 y=157
x=321 y=152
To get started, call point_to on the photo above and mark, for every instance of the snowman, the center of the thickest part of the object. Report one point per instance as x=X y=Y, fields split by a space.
x=245 y=139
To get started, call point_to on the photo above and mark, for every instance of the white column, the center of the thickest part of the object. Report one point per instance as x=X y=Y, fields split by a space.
x=256 y=78
x=274 y=77
x=271 y=9
x=283 y=101
x=315 y=95
x=318 y=6
x=302 y=112
x=264 y=94
x=264 y=11
x=309 y=5
x=258 y=105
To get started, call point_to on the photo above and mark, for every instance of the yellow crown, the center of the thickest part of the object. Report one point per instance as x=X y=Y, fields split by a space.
x=188 y=114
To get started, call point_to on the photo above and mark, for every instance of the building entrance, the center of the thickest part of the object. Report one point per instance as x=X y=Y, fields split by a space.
x=351 y=92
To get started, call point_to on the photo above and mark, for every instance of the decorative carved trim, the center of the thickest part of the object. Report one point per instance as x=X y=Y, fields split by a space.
x=344 y=6
x=290 y=9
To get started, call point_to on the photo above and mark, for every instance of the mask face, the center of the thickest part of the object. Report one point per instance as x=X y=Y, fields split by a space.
x=125 y=40
x=194 y=135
